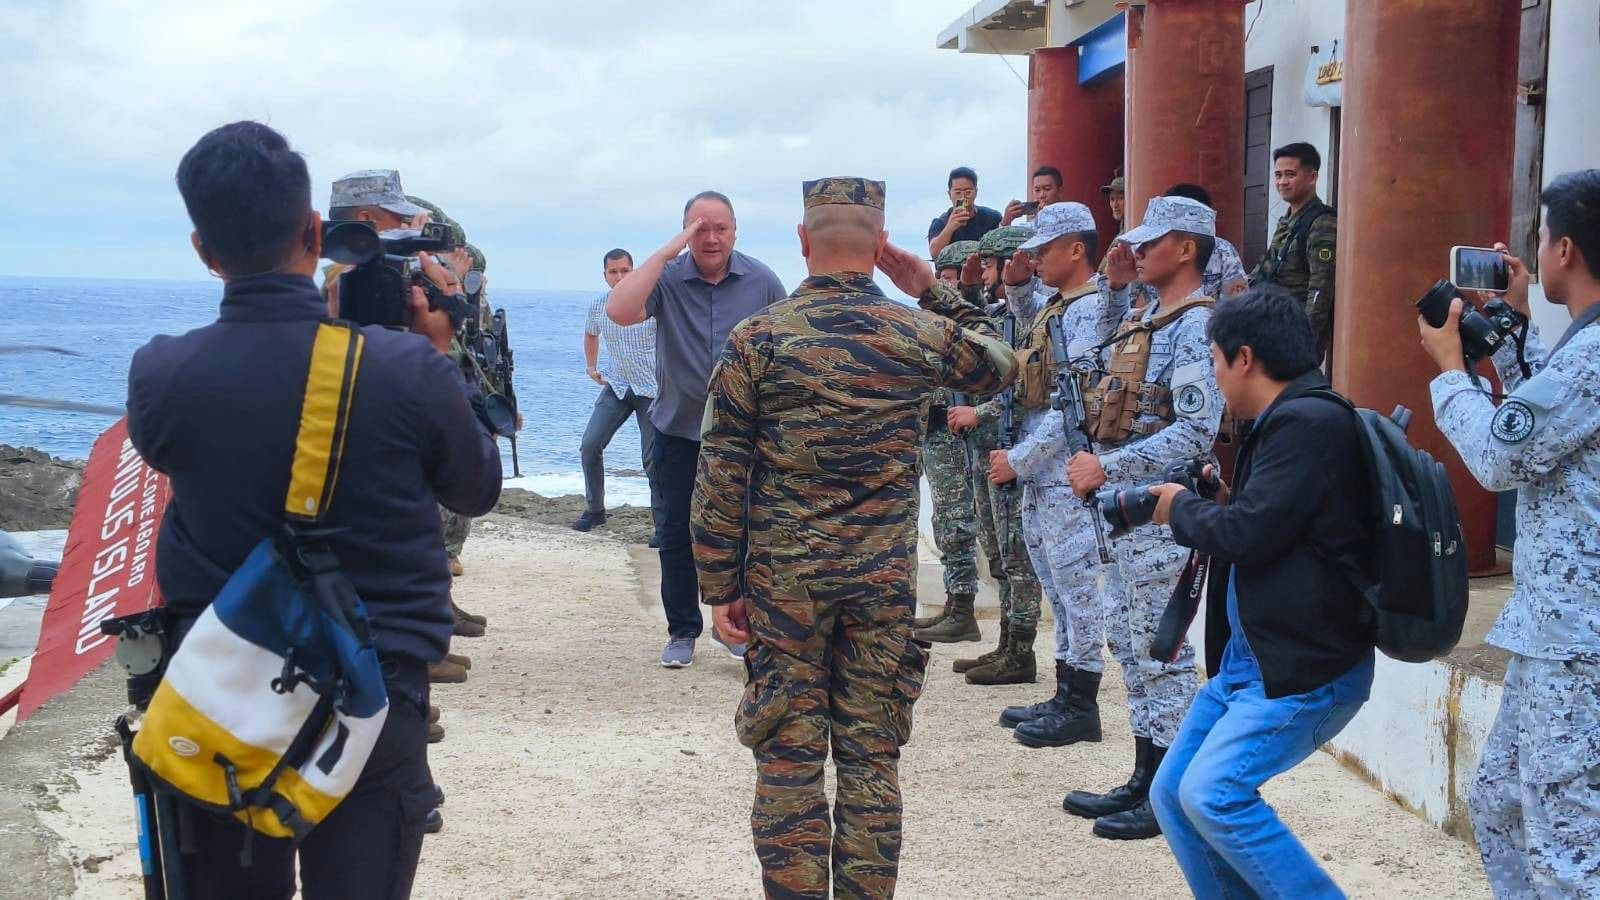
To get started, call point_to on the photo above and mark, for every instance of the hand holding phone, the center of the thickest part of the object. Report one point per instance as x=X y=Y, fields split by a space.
x=1479 y=269
x=1030 y=208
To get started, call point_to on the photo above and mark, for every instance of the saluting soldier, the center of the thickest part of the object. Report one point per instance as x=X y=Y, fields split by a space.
x=805 y=533
x=1303 y=252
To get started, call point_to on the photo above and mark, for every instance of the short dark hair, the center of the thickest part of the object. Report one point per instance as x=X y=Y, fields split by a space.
x=961 y=172
x=1270 y=321
x=1572 y=210
x=1091 y=244
x=1307 y=154
x=248 y=195
x=1192 y=191
x=1204 y=246
x=709 y=195
x=618 y=253
x=1053 y=173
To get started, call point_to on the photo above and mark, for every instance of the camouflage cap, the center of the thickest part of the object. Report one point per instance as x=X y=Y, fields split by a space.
x=439 y=215
x=478 y=262
x=1118 y=185
x=954 y=255
x=373 y=187
x=1058 y=220
x=1167 y=214
x=843 y=190
x=1004 y=241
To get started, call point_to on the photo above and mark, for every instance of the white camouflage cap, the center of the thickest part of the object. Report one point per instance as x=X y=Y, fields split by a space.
x=1058 y=220
x=373 y=187
x=1167 y=214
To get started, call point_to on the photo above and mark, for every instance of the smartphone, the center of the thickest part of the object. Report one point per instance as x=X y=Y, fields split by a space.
x=1479 y=269
x=1030 y=208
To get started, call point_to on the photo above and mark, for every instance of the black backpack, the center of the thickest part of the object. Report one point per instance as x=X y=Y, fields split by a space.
x=1416 y=581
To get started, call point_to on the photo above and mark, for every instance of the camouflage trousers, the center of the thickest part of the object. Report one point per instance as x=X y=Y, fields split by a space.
x=1536 y=799
x=955 y=521
x=1000 y=516
x=1061 y=545
x=841 y=675
x=1149 y=563
x=456 y=529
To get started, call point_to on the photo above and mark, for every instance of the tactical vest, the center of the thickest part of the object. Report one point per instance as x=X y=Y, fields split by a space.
x=1036 y=373
x=1114 y=403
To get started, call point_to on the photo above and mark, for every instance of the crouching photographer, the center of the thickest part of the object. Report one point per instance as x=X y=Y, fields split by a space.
x=1290 y=659
x=1535 y=801
x=306 y=459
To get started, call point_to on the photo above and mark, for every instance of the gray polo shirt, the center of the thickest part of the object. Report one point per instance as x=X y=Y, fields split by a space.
x=693 y=319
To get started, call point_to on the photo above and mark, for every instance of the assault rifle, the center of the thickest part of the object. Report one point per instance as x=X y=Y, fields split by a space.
x=959 y=399
x=1007 y=436
x=493 y=366
x=1069 y=400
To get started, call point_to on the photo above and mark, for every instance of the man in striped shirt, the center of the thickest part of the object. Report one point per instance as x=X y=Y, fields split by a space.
x=627 y=379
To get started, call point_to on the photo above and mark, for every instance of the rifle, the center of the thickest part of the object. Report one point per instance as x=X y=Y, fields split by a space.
x=1069 y=400
x=960 y=399
x=1007 y=436
x=494 y=368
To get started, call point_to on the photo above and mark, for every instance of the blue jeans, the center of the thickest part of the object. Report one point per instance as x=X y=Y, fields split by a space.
x=1227 y=840
x=610 y=411
x=677 y=463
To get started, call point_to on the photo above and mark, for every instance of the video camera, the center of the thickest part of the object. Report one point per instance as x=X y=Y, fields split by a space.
x=377 y=291
x=1482 y=333
x=1128 y=509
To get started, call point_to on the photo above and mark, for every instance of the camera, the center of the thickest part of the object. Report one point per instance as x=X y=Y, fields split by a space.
x=377 y=291
x=1128 y=509
x=1481 y=332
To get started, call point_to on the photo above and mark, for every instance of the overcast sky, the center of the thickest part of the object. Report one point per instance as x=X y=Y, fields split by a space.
x=552 y=131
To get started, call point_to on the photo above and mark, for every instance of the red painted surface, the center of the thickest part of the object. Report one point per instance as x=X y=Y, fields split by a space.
x=107 y=571
x=1076 y=128
x=1427 y=151
x=1186 y=105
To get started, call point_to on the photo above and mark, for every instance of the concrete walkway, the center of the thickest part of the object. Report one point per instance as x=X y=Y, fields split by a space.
x=576 y=767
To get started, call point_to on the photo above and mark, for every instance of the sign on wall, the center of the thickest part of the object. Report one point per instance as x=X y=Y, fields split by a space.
x=1325 y=76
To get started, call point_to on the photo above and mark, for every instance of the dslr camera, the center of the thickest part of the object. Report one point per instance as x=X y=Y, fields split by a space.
x=1482 y=332
x=1128 y=509
x=377 y=291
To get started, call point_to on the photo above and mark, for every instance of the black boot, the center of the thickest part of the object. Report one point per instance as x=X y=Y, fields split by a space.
x=1123 y=797
x=1139 y=823
x=1012 y=716
x=1080 y=721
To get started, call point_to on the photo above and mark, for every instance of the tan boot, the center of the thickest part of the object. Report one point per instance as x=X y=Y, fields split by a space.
x=956 y=627
x=465 y=627
x=455 y=567
x=446 y=672
x=464 y=662
x=435 y=732
x=929 y=621
x=1015 y=666
x=470 y=617
x=433 y=714
x=967 y=665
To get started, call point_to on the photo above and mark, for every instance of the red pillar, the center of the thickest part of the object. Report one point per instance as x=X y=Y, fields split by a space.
x=1426 y=158
x=1076 y=128
x=1186 y=105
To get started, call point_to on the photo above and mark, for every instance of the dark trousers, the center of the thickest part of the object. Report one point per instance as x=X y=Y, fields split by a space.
x=367 y=847
x=676 y=462
x=610 y=411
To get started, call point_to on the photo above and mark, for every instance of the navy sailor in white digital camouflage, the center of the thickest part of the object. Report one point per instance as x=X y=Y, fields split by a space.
x=1535 y=802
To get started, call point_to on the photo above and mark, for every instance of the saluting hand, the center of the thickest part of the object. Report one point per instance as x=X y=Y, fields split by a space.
x=907 y=270
x=1018 y=271
x=676 y=245
x=1121 y=268
x=972 y=270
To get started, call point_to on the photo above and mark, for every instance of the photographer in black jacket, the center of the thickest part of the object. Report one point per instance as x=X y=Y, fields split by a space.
x=1290 y=661
x=218 y=411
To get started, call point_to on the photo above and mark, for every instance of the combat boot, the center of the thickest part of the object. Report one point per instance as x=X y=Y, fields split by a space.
x=930 y=621
x=446 y=672
x=958 y=626
x=1079 y=721
x=434 y=823
x=435 y=732
x=455 y=568
x=461 y=660
x=464 y=627
x=1123 y=797
x=1139 y=823
x=1015 y=666
x=967 y=665
x=433 y=714
x=1012 y=716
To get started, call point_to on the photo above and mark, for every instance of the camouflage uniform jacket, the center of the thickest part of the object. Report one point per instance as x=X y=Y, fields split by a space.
x=1040 y=456
x=1544 y=442
x=812 y=436
x=1306 y=275
x=1023 y=306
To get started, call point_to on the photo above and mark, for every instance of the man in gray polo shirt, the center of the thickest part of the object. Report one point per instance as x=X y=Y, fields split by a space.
x=695 y=298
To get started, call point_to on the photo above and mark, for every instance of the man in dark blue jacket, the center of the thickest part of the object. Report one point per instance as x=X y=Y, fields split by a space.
x=1290 y=658
x=218 y=410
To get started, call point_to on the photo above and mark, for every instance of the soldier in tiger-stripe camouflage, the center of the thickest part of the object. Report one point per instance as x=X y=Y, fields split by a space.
x=805 y=534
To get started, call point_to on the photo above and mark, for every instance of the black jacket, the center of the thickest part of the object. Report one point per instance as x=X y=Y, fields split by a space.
x=1299 y=500
x=217 y=410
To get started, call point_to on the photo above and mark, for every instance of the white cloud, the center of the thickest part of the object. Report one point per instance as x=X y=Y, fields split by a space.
x=553 y=131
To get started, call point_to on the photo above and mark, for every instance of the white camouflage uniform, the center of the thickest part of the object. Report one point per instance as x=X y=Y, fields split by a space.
x=1535 y=801
x=1056 y=524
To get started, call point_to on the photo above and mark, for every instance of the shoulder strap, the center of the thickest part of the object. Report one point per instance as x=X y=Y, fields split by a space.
x=324 y=418
x=1167 y=316
x=1302 y=228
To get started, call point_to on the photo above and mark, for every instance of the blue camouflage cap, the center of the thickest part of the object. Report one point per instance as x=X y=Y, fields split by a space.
x=1168 y=214
x=1058 y=220
x=373 y=187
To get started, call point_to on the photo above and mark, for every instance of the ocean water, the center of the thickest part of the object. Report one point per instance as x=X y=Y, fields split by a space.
x=107 y=320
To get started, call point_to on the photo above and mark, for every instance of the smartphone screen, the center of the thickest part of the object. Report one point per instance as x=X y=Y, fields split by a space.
x=1030 y=208
x=1478 y=269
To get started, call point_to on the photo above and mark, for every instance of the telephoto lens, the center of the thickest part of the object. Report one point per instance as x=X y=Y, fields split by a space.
x=1128 y=509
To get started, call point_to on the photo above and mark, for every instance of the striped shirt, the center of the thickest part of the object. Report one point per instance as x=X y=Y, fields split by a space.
x=629 y=360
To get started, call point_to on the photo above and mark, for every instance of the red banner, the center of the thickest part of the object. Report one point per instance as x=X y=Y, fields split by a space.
x=107 y=571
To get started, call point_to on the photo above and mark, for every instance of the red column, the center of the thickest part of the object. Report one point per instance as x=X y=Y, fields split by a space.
x=1429 y=101
x=1186 y=105
x=1076 y=128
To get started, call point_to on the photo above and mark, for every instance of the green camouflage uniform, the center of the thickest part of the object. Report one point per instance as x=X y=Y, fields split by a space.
x=1305 y=267
x=805 y=508
x=944 y=462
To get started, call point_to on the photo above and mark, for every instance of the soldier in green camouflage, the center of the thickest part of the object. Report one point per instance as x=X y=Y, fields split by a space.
x=1303 y=253
x=945 y=464
x=805 y=534
x=1000 y=508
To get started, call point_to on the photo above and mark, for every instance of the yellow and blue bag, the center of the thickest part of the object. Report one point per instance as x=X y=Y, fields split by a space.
x=274 y=699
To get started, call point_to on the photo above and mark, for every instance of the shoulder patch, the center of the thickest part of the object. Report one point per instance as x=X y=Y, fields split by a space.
x=1325 y=254
x=1513 y=422
x=1190 y=399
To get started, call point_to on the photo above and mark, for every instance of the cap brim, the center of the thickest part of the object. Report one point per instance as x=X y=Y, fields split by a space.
x=1143 y=234
x=403 y=208
x=1106 y=188
x=1035 y=242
